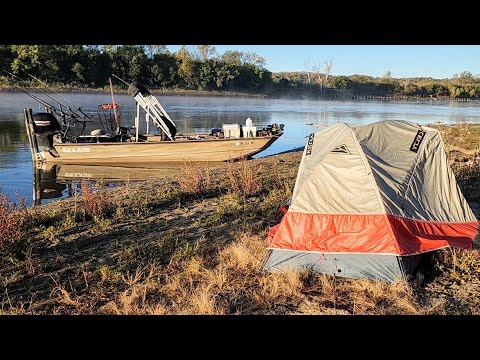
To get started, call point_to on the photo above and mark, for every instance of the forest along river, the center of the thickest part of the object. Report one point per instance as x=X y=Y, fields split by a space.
x=201 y=114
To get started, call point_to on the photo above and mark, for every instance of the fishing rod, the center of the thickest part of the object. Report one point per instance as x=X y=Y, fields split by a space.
x=49 y=108
x=59 y=111
x=36 y=98
x=121 y=80
x=19 y=78
x=78 y=108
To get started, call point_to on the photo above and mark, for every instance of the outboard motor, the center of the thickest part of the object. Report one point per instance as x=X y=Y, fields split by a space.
x=41 y=129
x=45 y=122
x=45 y=126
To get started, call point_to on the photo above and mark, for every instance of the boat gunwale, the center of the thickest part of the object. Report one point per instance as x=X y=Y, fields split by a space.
x=179 y=141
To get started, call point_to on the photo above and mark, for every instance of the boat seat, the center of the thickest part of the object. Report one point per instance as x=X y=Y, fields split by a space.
x=98 y=132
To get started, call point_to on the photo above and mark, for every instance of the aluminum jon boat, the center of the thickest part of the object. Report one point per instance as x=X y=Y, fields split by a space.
x=51 y=138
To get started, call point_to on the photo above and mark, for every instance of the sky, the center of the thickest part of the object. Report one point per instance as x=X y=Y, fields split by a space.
x=437 y=61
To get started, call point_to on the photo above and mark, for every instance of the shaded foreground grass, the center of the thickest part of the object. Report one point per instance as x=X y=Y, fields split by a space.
x=195 y=245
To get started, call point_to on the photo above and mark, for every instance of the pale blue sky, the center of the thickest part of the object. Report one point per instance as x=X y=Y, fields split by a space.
x=437 y=61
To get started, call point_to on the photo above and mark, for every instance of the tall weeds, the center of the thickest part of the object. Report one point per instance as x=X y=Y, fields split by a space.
x=13 y=216
x=96 y=203
x=243 y=177
x=195 y=178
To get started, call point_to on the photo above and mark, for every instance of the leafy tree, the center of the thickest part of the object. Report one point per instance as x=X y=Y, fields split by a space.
x=206 y=75
x=25 y=58
x=224 y=73
x=129 y=62
x=465 y=77
x=164 y=70
x=91 y=65
x=340 y=83
x=79 y=70
x=185 y=65
x=253 y=59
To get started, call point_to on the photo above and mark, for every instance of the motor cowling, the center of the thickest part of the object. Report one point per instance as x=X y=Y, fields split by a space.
x=45 y=122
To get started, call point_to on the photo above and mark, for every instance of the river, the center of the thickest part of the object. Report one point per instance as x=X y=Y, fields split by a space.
x=201 y=114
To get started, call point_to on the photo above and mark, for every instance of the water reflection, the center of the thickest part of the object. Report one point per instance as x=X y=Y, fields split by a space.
x=54 y=181
x=45 y=185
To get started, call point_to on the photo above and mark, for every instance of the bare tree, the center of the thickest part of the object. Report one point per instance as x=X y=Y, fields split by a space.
x=327 y=69
x=204 y=52
x=254 y=59
x=405 y=83
x=317 y=70
x=323 y=72
x=307 y=69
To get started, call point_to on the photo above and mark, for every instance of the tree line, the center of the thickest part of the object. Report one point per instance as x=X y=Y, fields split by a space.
x=200 y=67
x=461 y=85
x=195 y=67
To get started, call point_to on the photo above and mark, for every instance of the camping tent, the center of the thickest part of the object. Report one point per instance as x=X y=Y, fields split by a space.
x=368 y=201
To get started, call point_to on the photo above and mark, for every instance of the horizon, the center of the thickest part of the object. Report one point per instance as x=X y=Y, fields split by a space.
x=403 y=61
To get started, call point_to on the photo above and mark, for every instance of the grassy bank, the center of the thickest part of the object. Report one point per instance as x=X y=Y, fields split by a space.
x=195 y=245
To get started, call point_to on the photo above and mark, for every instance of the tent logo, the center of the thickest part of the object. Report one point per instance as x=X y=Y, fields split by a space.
x=310 y=144
x=417 y=141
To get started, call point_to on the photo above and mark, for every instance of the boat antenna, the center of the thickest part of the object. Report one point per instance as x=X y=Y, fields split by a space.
x=121 y=80
x=113 y=104
x=78 y=108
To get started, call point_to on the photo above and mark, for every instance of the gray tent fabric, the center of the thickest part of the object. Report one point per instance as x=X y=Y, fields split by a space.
x=371 y=266
x=335 y=181
x=413 y=185
x=373 y=198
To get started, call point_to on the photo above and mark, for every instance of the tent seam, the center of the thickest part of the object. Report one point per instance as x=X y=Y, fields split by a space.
x=375 y=187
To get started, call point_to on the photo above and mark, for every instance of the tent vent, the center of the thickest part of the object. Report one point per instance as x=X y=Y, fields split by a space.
x=341 y=149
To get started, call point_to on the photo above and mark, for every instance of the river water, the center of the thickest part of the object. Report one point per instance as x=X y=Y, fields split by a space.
x=198 y=114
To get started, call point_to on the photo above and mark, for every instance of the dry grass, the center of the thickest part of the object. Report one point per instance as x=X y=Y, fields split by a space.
x=195 y=178
x=243 y=177
x=461 y=137
x=96 y=203
x=13 y=216
x=236 y=284
x=164 y=251
x=455 y=288
x=468 y=177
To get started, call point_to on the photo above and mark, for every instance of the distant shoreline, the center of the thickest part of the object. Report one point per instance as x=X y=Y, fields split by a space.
x=209 y=93
x=165 y=92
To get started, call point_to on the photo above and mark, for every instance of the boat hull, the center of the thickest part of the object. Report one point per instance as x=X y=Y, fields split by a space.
x=157 y=152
